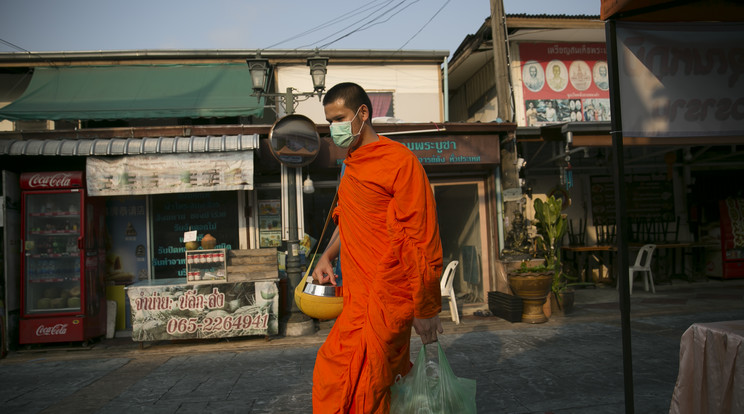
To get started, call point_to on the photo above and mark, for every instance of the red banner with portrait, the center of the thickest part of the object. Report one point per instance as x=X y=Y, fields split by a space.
x=564 y=82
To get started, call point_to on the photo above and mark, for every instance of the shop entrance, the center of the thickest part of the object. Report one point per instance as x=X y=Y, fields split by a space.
x=461 y=209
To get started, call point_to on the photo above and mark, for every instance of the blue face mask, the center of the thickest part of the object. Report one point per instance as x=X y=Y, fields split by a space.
x=342 y=134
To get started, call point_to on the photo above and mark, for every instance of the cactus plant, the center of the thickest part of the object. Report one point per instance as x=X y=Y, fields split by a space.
x=551 y=227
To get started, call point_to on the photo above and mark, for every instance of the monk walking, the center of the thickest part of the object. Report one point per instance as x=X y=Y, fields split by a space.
x=391 y=260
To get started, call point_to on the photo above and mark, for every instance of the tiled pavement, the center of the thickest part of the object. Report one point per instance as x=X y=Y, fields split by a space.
x=571 y=364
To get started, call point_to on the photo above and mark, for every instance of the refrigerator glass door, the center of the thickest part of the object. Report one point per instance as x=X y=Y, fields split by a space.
x=52 y=225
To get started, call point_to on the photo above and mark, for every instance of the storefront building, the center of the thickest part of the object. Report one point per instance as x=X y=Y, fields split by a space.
x=676 y=181
x=159 y=180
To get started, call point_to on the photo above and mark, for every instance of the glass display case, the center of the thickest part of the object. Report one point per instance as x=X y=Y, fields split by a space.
x=206 y=266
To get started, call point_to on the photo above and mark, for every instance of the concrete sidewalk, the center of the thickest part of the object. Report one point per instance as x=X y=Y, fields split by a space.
x=571 y=364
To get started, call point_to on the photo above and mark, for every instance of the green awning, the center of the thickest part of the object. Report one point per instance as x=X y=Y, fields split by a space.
x=131 y=92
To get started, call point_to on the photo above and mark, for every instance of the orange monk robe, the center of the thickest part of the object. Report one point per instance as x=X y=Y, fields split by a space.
x=391 y=261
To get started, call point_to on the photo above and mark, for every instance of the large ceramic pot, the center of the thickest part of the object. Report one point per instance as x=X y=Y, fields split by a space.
x=533 y=288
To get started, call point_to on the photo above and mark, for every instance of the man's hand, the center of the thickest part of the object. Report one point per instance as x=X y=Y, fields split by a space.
x=323 y=272
x=427 y=329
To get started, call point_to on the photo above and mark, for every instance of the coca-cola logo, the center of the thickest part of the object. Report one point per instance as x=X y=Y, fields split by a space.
x=45 y=180
x=58 y=329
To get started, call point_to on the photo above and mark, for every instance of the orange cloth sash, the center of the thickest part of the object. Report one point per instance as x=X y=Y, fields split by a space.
x=391 y=260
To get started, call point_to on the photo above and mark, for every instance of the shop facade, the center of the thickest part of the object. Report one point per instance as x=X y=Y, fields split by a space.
x=151 y=196
x=676 y=178
x=171 y=170
x=225 y=183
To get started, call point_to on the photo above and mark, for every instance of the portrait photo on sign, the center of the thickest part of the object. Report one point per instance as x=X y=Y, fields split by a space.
x=599 y=72
x=533 y=75
x=557 y=75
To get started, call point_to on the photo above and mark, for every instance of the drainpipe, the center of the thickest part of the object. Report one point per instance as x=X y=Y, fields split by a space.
x=499 y=208
x=446 y=90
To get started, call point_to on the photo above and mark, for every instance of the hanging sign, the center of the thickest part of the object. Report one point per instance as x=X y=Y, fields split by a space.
x=681 y=80
x=169 y=173
x=564 y=82
x=444 y=151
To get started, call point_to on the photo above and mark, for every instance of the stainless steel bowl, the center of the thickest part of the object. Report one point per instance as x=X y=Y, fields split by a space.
x=323 y=290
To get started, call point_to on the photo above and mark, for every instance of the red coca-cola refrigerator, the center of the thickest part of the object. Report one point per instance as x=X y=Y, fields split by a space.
x=63 y=296
x=727 y=262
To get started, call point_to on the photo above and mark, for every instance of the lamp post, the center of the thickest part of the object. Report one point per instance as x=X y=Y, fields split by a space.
x=260 y=70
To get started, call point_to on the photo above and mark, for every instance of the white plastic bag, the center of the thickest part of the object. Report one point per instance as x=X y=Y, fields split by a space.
x=432 y=388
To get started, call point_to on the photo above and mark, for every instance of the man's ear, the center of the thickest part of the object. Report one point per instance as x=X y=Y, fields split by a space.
x=364 y=112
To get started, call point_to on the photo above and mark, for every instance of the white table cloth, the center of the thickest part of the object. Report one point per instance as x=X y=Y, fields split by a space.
x=711 y=369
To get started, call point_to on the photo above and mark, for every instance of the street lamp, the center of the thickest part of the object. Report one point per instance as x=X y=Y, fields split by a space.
x=289 y=133
x=261 y=69
x=318 y=72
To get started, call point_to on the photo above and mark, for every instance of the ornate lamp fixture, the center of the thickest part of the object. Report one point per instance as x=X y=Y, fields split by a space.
x=260 y=69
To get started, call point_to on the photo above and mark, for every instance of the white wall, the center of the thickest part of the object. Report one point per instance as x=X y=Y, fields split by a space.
x=417 y=95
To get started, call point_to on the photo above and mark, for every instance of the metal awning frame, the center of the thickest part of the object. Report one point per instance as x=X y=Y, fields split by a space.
x=129 y=146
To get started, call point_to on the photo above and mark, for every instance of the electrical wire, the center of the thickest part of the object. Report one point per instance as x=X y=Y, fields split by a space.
x=14 y=46
x=368 y=24
x=334 y=21
x=360 y=20
x=374 y=12
x=425 y=24
x=373 y=8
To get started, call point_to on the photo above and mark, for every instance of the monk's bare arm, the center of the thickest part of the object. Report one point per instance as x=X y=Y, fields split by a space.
x=427 y=329
x=323 y=272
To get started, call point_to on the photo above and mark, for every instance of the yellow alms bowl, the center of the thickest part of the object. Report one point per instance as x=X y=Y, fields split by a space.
x=327 y=306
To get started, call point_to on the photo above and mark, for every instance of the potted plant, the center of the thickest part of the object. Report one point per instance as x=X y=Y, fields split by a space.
x=551 y=227
x=531 y=283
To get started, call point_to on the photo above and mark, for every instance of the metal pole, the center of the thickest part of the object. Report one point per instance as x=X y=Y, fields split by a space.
x=620 y=217
x=289 y=103
x=294 y=271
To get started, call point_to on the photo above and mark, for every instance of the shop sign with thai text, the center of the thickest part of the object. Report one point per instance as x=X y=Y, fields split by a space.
x=169 y=173
x=564 y=82
x=173 y=214
x=681 y=80
x=462 y=150
x=173 y=309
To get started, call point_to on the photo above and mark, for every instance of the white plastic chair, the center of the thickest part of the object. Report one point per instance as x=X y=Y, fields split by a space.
x=445 y=285
x=643 y=266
